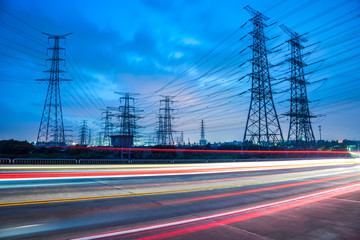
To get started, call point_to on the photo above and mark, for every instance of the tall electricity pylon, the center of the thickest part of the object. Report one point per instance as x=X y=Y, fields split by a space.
x=165 y=131
x=202 y=134
x=108 y=126
x=127 y=115
x=51 y=130
x=301 y=135
x=83 y=134
x=262 y=125
x=160 y=129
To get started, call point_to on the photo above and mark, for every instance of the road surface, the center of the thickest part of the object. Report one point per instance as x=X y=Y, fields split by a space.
x=317 y=199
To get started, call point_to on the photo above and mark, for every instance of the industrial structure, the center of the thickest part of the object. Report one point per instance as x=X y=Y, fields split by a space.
x=83 y=134
x=51 y=130
x=262 y=125
x=127 y=114
x=301 y=135
x=165 y=131
x=127 y=128
x=202 y=141
x=108 y=126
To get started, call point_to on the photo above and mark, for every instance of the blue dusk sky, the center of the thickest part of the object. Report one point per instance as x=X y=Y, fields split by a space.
x=194 y=50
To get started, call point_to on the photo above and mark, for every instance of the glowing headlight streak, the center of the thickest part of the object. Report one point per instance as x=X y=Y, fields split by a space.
x=228 y=217
x=180 y=201
x=231 y=167
x=201 y=150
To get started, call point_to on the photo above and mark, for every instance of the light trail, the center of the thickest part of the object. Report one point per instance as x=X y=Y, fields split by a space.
x=203 y=150
x=186 y=190
x=260 y=210
x=164 y=207
x=232 y=167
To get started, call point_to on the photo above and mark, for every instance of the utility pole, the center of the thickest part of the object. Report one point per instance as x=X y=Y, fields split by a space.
x=262 y=125
x=165 y=131
x=320 y=131
x=301 y=135
x=83 y=133
x=51 y=130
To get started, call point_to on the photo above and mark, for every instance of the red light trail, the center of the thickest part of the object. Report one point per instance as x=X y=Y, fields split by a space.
x=230 y=167
x=228 y=217
x=201 y=150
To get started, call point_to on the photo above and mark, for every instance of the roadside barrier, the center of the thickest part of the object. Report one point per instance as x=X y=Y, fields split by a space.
x=131 y=161
x=151 y=161
x=43 y=161
x=103 y=161
x=5 y=160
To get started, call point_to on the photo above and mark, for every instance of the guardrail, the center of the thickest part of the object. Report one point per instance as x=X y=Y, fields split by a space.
x=130 y=161
x=103 y=161
x=5 y=161
x=108 y=161
x=43 y=161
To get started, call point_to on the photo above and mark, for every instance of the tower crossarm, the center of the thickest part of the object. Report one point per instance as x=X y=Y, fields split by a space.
x=256 y=13
x=293 y=34
x=52 y=36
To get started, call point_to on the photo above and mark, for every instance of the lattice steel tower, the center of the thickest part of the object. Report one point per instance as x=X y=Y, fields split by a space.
x=127 y=115
x=262 y=125
x=160 y=128
x=300 y=134
x=51 y=130
x=165 y=131
x=83 y=134
x=202 y=134
x=108 y=126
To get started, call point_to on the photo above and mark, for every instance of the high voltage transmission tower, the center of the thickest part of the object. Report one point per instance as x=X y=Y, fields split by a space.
x=108 y=126
x=301 y=134
x=262 y=125
x=51 y=130
x=202 y=134
x=83 y=134
x=165 y=131
x=89 y=138
x=127 y=115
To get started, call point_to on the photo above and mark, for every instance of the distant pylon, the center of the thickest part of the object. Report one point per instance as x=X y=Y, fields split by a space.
x=182 y=138
x=165 y=131
x=262 y=125
x=99 y=140
x=202 y=134
x=108 y=126
x=83 y=134
x=301 y=135
x=89 y=141
x=51 y=130
x=160 y=129
x=127 y=115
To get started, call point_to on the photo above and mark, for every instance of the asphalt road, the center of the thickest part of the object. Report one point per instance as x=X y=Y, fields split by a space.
x=267 y=200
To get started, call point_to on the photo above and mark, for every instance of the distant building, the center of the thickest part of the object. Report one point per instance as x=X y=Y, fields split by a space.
x=202 y=142
x=123 y=141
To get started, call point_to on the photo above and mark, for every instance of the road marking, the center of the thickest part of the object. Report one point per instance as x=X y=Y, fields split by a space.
x=27 y=226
